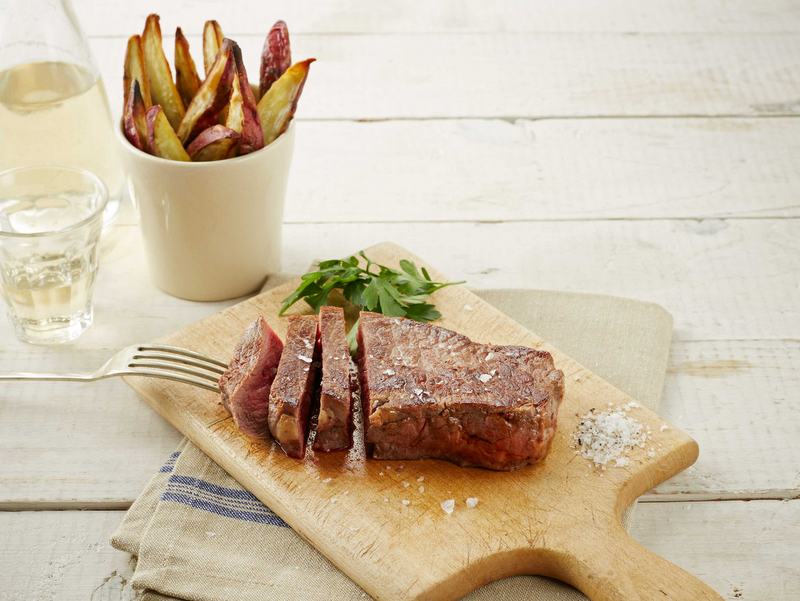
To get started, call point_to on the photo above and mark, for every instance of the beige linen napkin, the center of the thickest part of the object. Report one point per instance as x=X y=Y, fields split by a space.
x=199 y=536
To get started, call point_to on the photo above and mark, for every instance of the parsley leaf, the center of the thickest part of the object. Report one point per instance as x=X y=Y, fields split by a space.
x=373 y=287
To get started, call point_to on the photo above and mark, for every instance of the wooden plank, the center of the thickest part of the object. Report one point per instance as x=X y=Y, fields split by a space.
x=544 y=170
x=408 y=76
x=738 y=399
x=106 y=17
x=65 y=555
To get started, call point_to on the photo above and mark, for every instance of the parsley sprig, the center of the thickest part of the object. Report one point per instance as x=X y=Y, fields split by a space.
x=373 y=287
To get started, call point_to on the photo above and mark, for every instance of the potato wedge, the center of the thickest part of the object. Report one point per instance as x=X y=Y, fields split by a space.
x=162 y=140
x=162 y=89
x=235 y=118
x=134 y=118
x=212 y=42
x=250 y=126
x=276 y=56
x=186 y=77
x=211 y=97
x=276 y=108
x=135 y=71
x=214 y=144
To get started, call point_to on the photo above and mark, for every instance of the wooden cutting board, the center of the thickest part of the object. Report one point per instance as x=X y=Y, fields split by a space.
x=373 y=520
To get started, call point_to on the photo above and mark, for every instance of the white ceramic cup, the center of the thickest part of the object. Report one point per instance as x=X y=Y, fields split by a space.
x=212 y=230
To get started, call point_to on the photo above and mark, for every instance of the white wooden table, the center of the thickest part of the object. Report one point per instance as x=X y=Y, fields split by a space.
x=642 y=149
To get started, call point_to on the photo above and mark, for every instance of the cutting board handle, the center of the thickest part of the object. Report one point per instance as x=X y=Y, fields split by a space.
x=617 y=568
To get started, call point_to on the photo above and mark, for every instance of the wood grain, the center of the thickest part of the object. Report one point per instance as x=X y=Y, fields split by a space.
x=378 y=544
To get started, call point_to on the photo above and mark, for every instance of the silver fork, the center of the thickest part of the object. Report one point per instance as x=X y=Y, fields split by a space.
x=152 y=360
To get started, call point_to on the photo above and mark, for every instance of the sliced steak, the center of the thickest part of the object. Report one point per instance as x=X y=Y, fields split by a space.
x=430 y=392
x=293 y=389
x=334 y=422
x=245 y=386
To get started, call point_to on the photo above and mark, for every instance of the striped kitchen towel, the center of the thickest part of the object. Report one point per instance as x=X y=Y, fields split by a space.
x=198 y=535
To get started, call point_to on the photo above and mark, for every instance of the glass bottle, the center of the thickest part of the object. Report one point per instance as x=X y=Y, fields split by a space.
x=53 y=106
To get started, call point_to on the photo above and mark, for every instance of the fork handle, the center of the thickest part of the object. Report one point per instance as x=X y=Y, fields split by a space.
x=44 y=377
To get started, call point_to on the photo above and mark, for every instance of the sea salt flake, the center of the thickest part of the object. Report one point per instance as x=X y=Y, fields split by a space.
x=490 y=356
x=380 y=473
x=448 y=506
x=389 y=372
x=406 y=502
x=607 y=436
x=472 y=502
x=485 y=377
x=304 y=358
x=326 y=480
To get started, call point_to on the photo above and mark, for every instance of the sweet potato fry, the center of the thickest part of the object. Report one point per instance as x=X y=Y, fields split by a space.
x=135 y=71
x=186 y=77
x=212 y=95
x=276 y=108
x=276 y=56
x=162 y=89
x=214 y=144
x=161 y=137
x=248 y=123
x=134 y=119
x=212 y=42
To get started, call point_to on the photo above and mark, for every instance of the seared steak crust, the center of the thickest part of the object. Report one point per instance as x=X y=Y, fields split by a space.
x=244 y=387
x=293 y=389
x=431 y=392
x=334 y=420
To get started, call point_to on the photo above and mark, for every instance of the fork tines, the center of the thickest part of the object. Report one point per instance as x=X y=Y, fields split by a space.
x=179 y=364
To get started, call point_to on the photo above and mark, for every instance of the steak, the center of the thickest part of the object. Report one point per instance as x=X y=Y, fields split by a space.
x=293 y=389
x=245 y=385
x=428 y=392
x=334 y=422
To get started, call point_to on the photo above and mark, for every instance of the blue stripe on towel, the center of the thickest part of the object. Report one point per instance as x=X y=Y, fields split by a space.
x=227 y=502
x=170 y=463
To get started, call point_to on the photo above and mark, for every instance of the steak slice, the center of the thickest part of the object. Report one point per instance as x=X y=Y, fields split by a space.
x=244 y=387
x=428 y=392
x=334 y=420
x=293 y=389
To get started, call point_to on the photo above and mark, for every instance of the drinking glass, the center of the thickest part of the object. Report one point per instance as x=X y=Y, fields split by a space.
x=53 y=106
x=50 y=223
